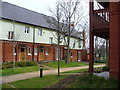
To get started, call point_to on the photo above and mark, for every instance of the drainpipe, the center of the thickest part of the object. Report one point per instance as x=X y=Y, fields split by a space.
x=33 y=44
x=3 y=51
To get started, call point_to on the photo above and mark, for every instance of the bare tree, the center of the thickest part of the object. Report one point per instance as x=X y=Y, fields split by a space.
x=14 y=37
x=56 y=22
x=72 y=12
x=99 y=46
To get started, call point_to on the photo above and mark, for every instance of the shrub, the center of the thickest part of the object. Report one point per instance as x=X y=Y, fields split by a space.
x=31 y=63
x=18 y=64
x=21 y=64
x=105 y=68
x=7 y=65
x=100 y=61
x=25 y=63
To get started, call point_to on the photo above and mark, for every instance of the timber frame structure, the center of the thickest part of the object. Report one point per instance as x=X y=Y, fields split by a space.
x=105 y=23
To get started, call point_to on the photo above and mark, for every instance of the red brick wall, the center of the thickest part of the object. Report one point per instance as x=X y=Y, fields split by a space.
x=51 y=53
x=74 y=56
x=8 y=52
x=114 y=39
x=84 y=55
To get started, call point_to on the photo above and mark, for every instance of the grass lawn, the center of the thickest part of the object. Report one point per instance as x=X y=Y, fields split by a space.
x=35 y=82
x=18 y=70
x=79 y=70
x=92 y=81
x=54 y=64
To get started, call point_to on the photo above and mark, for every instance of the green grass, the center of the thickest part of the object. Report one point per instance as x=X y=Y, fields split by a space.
x=35 y=82
x=54 y=64
x=79 y=70
x=18 y=70
x=92 y=81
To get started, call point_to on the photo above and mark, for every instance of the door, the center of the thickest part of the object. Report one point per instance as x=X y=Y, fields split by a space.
x=42 y=56
x=79 y=56
x=22 y=53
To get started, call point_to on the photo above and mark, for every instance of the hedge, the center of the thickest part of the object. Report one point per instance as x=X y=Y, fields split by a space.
x=18 y=64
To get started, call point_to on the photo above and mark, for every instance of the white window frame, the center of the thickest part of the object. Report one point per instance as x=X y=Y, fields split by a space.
x=10 y=34
x=79 y=44
x=51 y=40
x=14 y=51
x=40 y=32
x=36 y=51
x=27 y=30
x=29 y=52
x=47 y=51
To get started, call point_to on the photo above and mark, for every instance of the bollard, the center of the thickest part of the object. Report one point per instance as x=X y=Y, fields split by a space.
x=41 y=71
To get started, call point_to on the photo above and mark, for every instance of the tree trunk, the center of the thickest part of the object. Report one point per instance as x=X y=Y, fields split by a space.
x=58 y=51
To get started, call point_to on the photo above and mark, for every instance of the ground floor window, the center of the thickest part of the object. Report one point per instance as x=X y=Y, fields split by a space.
x=29 y=50
x=47 y=52
x=22 y=50
x=36 y=51
x=14 y=51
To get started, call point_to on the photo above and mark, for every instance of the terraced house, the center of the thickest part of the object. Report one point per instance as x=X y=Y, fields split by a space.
x=26 y=35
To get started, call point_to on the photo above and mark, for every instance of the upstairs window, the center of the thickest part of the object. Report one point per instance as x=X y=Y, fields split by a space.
x=79 y=44
x=74 y=45
x=39 y=32
x=10 y=34
x=51 y=40
x=27 y=30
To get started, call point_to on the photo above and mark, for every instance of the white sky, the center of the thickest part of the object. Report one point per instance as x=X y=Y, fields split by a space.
x=40 y=6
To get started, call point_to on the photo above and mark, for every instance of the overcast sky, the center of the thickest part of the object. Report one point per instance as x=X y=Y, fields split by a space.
x=40 y=6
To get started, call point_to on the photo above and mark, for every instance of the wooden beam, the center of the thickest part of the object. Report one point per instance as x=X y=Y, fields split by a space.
x=91 y=60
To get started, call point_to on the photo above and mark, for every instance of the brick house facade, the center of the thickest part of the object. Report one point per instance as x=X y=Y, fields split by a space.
x=25 y=35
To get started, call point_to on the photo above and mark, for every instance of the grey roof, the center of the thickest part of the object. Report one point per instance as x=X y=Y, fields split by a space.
x=20 y=14
x=10 y=11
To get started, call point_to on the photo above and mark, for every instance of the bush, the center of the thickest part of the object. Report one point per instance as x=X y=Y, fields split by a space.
x=26 y=63
x=100 y=61
x=31 y=63
x=21 y=64
x=105 y=68
x=18 y=64
x=7 y=65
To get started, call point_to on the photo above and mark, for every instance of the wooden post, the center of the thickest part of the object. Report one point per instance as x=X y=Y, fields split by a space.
x=91 y=60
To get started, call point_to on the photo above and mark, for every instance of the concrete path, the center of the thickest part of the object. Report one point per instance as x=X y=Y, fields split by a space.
x=16 y=77
x=103 y=74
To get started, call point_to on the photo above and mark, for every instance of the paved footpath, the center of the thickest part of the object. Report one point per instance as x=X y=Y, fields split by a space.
x=16 y=77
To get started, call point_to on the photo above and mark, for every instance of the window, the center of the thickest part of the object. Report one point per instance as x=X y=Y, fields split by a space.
x=22 y=50
x=71 y=55
x=29 y=51
x=79 y=44
x=35 y=51
x=27 y=29
x=47 y=52
x=41 y=50
x=51 y=40
x=39 y=32
x=14 y=51
x=10 y=34
x=74 y=45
